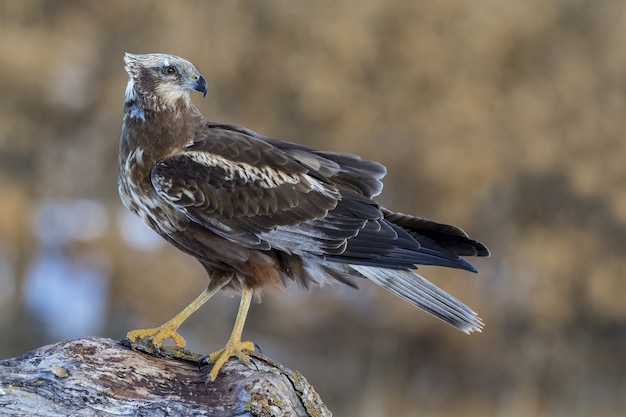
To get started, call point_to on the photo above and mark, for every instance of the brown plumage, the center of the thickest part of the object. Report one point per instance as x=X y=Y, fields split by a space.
x=259 y=212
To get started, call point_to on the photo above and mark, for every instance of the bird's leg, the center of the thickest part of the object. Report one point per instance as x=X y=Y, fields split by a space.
x=158 y=335
x=234 y=347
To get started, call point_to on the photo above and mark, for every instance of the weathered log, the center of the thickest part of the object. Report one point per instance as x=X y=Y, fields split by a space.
x=102 y=377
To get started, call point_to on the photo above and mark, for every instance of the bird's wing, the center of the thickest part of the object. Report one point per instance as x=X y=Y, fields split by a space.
x=350 y=171
x=265 y=193
x=247 y=190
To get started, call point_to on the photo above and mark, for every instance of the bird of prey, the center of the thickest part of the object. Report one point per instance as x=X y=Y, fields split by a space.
x=259 y=212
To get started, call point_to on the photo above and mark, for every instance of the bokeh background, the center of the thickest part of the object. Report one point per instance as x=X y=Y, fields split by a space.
x=506 y=118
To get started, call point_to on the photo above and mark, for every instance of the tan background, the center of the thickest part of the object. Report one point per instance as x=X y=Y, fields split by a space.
x=506 y=118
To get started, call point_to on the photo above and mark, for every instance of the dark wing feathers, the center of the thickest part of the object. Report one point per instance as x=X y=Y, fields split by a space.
x=362 y=176
x=386 y=245
x=326 y=211
x=445 y=236
x=241 y=145
x=241 y=205
x=346 y=170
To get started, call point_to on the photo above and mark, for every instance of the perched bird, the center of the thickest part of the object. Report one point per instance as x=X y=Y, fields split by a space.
x=258 y=212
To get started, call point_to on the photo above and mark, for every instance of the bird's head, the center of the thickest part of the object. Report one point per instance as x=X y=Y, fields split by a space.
x=161 y=80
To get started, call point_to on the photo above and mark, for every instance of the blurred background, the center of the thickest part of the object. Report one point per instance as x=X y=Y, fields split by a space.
x=506 y=118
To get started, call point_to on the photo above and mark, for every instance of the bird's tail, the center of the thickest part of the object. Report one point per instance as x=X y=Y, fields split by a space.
x=416 y=290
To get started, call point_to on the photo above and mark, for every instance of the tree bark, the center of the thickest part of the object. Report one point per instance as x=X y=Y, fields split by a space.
x=102 y=377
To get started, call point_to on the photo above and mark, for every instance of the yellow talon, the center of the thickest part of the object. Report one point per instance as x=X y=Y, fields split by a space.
x=157 y=336
x=234 y=347
x=219 y=358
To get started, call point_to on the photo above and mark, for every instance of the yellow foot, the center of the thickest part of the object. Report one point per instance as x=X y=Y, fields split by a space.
x=219 y=358
x=157 y=336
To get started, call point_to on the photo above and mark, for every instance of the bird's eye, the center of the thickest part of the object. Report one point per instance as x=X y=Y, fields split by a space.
x=169 y=70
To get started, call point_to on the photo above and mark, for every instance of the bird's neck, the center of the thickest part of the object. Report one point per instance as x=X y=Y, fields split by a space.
x=158 y=130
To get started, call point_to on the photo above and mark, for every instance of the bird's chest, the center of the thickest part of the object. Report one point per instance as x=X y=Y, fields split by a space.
x=139 y=196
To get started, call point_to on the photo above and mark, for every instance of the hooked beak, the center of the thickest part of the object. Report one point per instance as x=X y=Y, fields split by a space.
x=200 y=85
